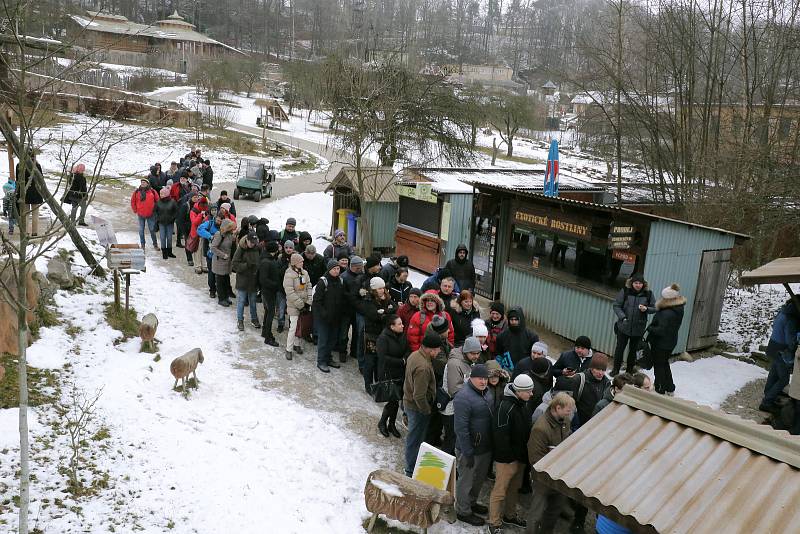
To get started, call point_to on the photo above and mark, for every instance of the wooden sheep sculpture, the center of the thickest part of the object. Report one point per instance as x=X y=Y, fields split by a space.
x=183 y=366
x=147 y=331
x=398 y=497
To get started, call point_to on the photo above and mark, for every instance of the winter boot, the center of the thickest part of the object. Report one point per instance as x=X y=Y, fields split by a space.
x=392 y=428
x=382 y=427
x=240 y=325
x=212 y=293
x=324 y=368
x=256 y=324
x=271 y=342
x=169 y=253
x=164 y=253
x=298 y=349
x=288 y=355
x=343 y=357
x=333 y=364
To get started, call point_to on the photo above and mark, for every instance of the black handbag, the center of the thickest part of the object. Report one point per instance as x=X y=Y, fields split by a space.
x=386 y=390
x=644 y=355
x=442 y=399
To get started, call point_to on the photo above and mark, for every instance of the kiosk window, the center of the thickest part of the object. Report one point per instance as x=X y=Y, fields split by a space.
x=582 y=262
x=419 y=214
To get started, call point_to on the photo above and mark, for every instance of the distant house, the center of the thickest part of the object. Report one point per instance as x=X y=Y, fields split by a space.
x=172 y=43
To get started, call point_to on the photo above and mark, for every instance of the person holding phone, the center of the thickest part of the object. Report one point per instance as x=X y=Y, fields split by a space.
x=576 y=360
x=632 y=306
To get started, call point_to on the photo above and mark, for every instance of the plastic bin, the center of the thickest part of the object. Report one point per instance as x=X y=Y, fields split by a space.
x=341 y=223
x=352 y=222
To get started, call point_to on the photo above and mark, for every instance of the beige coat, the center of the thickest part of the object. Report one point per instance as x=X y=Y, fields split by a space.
x=298 y=290
x=794 y=386
x=419 y=387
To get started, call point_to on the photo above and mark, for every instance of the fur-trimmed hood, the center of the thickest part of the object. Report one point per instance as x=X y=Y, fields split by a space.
x=663 y=303
x=644 y=288
x=431 y=295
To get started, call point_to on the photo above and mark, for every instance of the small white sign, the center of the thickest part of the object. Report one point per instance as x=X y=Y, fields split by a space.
x=105 y=231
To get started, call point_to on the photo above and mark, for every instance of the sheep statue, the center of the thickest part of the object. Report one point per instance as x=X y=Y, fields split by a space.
x=147 y=331
x=183 y=366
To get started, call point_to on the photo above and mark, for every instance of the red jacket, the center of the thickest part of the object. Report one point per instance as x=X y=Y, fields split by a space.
x=420 y=320
x=197 y=217
x=144 y=208
x=406 y=312
x=176 y=191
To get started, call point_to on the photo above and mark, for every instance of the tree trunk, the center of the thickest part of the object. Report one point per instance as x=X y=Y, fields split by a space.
x=494 y=150
x=22 y=348
x=510 y=145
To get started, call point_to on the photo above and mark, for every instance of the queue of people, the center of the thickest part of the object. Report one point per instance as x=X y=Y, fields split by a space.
x=478 y=385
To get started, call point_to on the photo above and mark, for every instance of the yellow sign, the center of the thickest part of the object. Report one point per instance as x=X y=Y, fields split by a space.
x=558 y=225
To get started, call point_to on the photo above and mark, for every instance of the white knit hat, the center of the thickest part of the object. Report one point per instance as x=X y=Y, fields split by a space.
x=377 y=282
x=671 y=292
x=523 y=383
x=479 y=328
x=540 y=347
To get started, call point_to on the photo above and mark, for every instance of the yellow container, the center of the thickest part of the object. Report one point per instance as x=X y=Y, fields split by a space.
x=341 y=223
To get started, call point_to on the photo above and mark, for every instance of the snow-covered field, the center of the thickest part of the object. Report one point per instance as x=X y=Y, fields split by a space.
x=747 y=315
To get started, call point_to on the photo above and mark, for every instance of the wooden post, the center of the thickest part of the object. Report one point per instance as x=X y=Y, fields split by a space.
x=372 y=522
x=116 y=289
x=127 y=290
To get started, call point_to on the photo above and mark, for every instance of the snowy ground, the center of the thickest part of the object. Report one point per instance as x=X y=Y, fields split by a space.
x=747 y=315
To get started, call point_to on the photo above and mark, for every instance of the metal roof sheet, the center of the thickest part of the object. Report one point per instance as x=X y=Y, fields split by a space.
x=610 y=208
x=676 y=467
x=780 y=271
x=378 y=183
x=460 y=180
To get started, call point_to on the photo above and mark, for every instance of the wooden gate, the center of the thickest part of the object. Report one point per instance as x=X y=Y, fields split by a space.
x=707 y=310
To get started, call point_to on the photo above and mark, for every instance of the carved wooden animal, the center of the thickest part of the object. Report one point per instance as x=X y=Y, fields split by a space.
x=147 y=331
x=183 y=366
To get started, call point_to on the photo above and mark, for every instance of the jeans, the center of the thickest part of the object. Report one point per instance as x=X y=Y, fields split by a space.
x=151 y=225
x=281 y=305
x=778 y=376
x=165 y=234
x=663 y=374
x=328 y=336
x=633 y=344
x=470 y=480
x=241 y=294
x=212 y=278
x=268 y=300
x=417 y=428
x=11 y=222
x=505 y=493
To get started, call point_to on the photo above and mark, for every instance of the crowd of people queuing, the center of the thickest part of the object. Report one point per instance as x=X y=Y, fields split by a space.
x=483 y=390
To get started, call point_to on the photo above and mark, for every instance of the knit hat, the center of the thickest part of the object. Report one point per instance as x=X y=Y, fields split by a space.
x=372 y=261
x=401 y=261
x=337 y=233
x=599 y=361
x=169 y=183
x=583 y=342
x=253 y=219
x=252 y=237
x=637 y=277
x=493 y=365
x=540 y=347
x=540 y=365
x=225 y=206
x=296 y=260
x=471 y=344
x=498 y=307
x=479 y=370
x=288 y=244
x=671 y=292
x=311 y=249
x=291 y=220
x=523 y=383
x=479 y=328
x=331 y=264
x=415 y=291
x=356 y=260
x=376 y=282
x=564 y=383
x=439 y=324
x=164 y=192
x=272 y=247
x=431 y=340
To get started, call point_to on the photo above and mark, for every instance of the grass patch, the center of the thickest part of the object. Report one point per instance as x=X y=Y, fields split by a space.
x=234 y=141
x=307 y=163
x=43 y=316
x=43 y=384
x=501 y=154
x=119 y=319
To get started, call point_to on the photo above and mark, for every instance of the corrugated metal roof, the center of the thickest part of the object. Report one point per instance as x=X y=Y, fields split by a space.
x=460 y=180
x=667 y=465
x=780 y=271
x=604 y=207
x=117 y=24
x=378 y=183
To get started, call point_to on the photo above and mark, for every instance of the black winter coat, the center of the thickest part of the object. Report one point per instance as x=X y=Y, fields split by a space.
x=270 y=274
x=183 y=222
x=462 y=271
x=77 y=189
x=245 y=263
x=511 y=427
x=352 y=284
x=542 y=382
x=593 y=391
x=32 y=194
x=631 y=321
x=399 y=292
x=570 y=360
x=208 y=179
x=166 y=211
x=462 y=323
x=374 y=313
x=328 y=300
x=663 y=330
x=393 y=350
x=315 y=267
x=516 y=341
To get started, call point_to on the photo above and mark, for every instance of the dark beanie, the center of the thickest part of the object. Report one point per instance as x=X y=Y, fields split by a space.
x=540 y=365
x=272 y=246
x=343 y=255
x=415 y=291
x=372 y=261
x=599 y=361
x=498 y=306
x=439 y=324
x=331 y=264
x=637 y=277
x=402 y=261
x=564 y=383
x=479 y=370
x=583 y=342
x=431 y=340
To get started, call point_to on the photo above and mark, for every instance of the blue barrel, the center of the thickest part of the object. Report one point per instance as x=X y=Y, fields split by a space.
x=352 y=221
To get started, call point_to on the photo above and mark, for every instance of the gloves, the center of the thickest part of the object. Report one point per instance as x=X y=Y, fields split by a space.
x=363 y=292
x=469 y=462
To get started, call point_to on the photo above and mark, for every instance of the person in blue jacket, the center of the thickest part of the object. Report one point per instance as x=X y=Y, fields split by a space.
x=206 y=231
x=780 y=350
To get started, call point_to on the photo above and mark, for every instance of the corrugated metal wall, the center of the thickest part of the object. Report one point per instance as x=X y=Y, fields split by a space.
x=383 y=218
x=460 y=225
x=674 y=255
x=558 y=307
